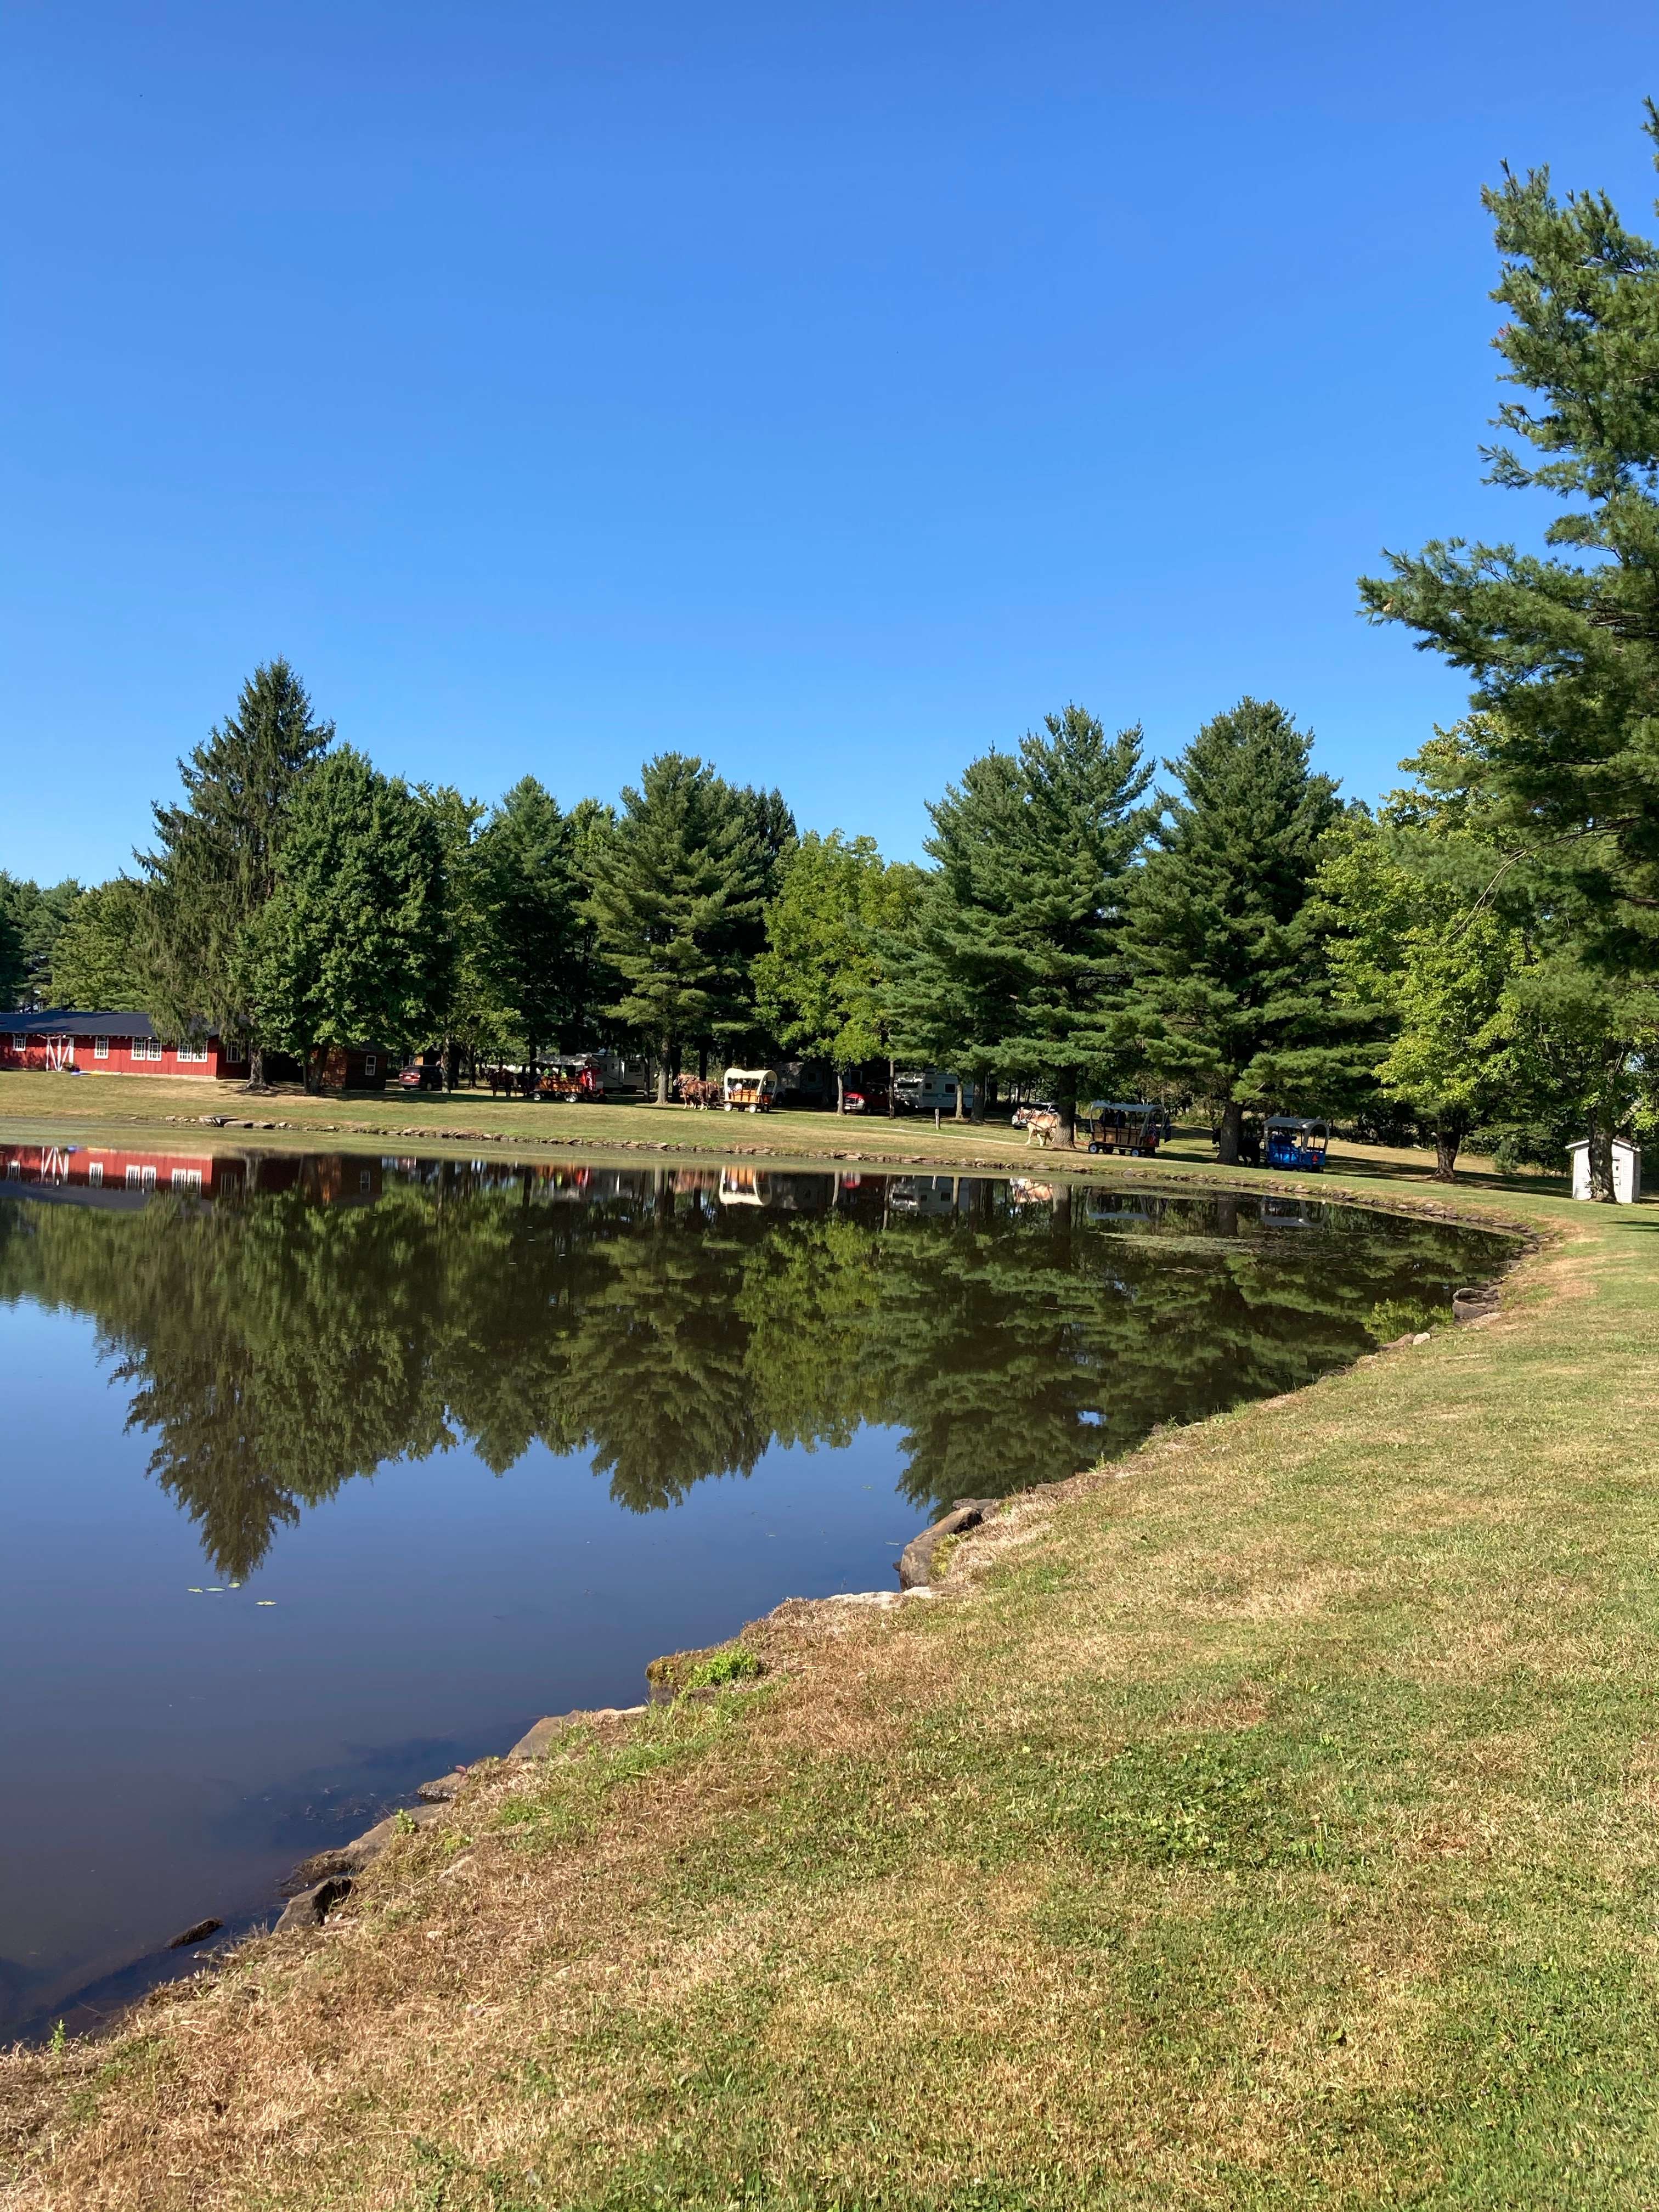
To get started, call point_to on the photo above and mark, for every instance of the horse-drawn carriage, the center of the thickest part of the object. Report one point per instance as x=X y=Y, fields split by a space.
x=1134 y=1130
x=749 y=1090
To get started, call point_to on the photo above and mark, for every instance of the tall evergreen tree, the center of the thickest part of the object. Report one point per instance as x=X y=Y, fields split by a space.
x=14 y=968
x=352 y=945
x=950 y=993
x=527 y=862
x=678 y=891
x=215 y=865
x=1565 y=651
x=1231 y=992
x=31 y=918
x=1018 y=943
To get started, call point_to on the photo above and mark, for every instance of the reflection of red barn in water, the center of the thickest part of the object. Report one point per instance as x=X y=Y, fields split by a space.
x=108 y=1174
x=78 y=1169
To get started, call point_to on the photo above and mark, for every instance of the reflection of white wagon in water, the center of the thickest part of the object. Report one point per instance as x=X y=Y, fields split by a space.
x=1287 y=1142
x=741 y=1187
x=1133 y=1129
x=750 y=1090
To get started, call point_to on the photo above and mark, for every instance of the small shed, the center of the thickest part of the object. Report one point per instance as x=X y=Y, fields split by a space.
x=1626 y=1169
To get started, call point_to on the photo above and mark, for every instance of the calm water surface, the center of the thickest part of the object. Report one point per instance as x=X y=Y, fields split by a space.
x=321 y=1473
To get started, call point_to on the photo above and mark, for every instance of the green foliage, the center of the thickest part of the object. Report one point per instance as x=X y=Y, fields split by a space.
x=1016 y=941
x=215 y=866
x=100 y=958
x=1231 y=992
x=733 y=1664
x=353 y=947
x=678 y=893
x=529 y=888
x=1563 y=652
x=820 y=979
x=31 y=918
x=14 y=968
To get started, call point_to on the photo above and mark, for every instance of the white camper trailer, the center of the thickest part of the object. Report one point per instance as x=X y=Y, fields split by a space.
x=930 y=1090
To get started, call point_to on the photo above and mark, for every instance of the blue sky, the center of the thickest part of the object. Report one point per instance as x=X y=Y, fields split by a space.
x=826 y=390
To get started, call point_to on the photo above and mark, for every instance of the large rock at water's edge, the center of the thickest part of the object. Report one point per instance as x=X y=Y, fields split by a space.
x=312 y=1907
x=536 y=1742
x=915 y=1565
x=362 y=1851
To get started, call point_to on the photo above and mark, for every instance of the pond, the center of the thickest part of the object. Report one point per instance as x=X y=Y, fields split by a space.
x=325 y=1472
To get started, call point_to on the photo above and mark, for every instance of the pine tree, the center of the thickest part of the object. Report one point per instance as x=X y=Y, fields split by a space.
x=14 y=967
x=353 y=947
x=1231 y=990
x=31 y=920
x=1563 y=652
x=215 y=866
x=677 y=895
x=950 y=993
x=1016 y=943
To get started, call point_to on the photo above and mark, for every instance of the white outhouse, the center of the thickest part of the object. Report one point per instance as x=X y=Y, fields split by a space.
x=1626 y=1171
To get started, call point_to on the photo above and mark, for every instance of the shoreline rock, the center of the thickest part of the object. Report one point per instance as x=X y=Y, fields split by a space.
x=915 y=1565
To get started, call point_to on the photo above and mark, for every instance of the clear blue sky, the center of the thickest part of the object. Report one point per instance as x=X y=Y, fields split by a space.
x=826 y=389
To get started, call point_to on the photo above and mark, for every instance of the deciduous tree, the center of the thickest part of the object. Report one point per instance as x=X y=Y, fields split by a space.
x=101 y=956
x=819 y=981
x=353 y=947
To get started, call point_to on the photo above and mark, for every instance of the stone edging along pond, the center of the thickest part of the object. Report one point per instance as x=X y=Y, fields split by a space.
x=1199 y=1177
x=326 y=1879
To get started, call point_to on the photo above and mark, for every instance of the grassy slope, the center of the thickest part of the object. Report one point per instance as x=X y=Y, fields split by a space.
x=1272 y=1823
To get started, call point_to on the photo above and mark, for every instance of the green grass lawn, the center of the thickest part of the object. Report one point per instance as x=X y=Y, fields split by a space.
x=59 y=1109
x=1268 y=1820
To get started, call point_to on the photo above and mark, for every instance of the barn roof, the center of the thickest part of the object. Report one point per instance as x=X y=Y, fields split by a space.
x=64 y=1021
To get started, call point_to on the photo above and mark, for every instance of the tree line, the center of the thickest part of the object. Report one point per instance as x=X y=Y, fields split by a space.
x=1478 y=954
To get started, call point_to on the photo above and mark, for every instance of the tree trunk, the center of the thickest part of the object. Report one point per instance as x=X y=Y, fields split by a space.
x=841 y=1092
x=662 y=1073
x=1066 y=1107
x=892 y=1091
x=452 y=1064
x=979 y=1100
x=1600 y=1161
x=1226 y=1143
x=703 y=1063
x=959 y=1112
x=256 y=1066
x=1448 y=1137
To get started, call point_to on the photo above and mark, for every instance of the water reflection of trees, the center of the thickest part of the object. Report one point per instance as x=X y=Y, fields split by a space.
x=275 y=1346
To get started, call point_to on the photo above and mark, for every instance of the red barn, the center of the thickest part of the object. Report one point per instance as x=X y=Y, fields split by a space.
x=112 y=1044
